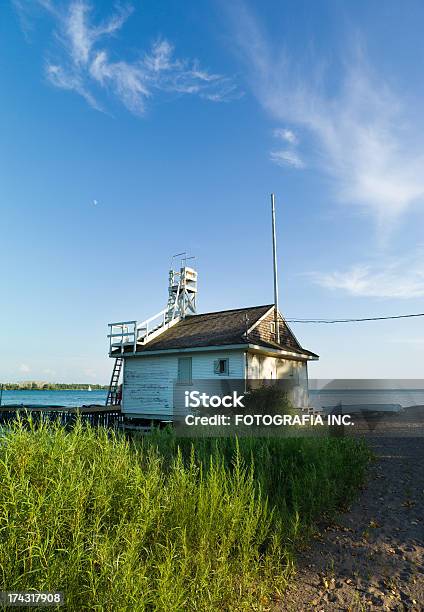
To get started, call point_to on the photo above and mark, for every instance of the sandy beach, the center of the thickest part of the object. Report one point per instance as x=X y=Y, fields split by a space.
x=372 y=556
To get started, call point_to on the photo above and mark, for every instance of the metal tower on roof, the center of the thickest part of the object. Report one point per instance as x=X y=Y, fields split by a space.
x=128 y=336
x=182 y=289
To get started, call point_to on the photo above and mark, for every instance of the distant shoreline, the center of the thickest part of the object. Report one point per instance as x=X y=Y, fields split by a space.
x=53 y=387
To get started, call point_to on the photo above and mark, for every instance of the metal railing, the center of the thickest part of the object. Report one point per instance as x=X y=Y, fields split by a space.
x=127 y=334
x=122 y=334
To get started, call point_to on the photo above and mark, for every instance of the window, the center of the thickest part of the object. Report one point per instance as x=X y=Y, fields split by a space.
x=184 y=370
x=221 y=367
x=272 y=328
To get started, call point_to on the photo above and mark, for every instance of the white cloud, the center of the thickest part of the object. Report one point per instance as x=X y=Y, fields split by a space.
x=128 y=82
x=358 y=127
x=81 y=35
x=286 y=158
x=24 y=368
x=84 y=62
x=72 y=81
x=24 y=10
x=160 y=57
x=287 y=135
x=396 y=278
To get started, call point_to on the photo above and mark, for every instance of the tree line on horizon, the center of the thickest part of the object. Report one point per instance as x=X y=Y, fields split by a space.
x=45 y=386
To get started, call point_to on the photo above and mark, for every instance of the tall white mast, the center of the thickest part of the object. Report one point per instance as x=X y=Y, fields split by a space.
x=274 y=253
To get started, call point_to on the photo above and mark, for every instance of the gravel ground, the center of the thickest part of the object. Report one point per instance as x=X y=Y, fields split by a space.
x=372 y=557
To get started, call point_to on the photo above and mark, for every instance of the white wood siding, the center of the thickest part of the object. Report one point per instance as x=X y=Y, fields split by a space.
x=203 y=364
x=148 y=380
x=262 y=367
x=148 y=385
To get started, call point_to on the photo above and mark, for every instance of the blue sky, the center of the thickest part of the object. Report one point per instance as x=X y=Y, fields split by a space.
x=130 y=132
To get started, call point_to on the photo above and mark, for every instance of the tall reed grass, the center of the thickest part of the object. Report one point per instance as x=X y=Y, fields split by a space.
x=160 y=523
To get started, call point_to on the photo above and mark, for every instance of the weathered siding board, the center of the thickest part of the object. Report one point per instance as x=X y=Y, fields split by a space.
x=149 y=380
x=148 y=385
x=263 y=332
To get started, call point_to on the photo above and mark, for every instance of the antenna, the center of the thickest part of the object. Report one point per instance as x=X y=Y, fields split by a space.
x=274 y=254
x=184 y=258
x=175 y=256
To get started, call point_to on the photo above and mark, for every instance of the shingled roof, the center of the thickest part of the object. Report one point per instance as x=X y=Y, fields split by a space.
x=223 y=328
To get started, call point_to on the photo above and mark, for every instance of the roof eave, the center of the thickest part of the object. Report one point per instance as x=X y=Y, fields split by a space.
x=274 y=352
x=306 y=356
x=192 y=349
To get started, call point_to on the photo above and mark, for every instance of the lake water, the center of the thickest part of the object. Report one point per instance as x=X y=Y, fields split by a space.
x=73 y=397
x=327 y=397
x=333 y=397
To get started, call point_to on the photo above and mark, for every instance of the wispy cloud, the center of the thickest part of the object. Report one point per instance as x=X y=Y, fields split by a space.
x=24 y=368
x=84 y=62
x=81 y=35
x=287 y=135
x=395 y=278
x=285 y=157
x=359 y=127
x=60 y=77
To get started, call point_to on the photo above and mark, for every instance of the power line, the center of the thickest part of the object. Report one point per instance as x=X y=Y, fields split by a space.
x=406 y=316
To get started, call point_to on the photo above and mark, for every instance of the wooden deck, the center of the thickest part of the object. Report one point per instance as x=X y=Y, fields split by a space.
x=95 y=415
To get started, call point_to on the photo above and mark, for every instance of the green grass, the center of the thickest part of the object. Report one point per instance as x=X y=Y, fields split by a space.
x=160 y=523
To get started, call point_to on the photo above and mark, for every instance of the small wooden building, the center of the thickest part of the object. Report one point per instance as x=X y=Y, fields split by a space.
x=184 y=347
